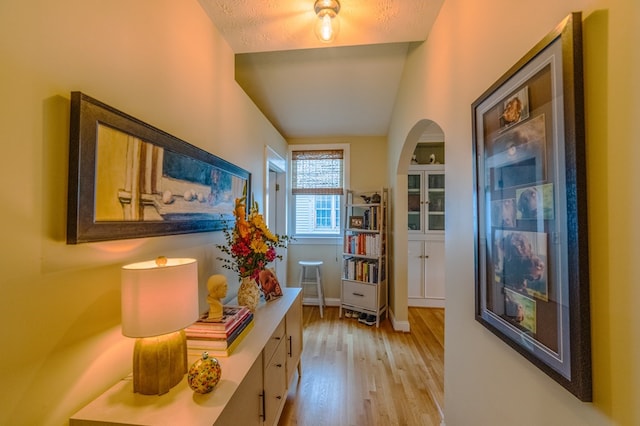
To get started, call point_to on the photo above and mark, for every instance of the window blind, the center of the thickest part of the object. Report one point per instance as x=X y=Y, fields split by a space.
x=317 y=172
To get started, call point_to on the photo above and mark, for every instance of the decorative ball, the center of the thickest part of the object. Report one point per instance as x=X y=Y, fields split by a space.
x=204 y=374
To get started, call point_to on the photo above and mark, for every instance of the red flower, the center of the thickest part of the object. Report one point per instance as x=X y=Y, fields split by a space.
x=250 y=245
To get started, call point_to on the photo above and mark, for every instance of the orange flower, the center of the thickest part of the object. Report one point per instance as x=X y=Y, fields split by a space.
x=242 y=225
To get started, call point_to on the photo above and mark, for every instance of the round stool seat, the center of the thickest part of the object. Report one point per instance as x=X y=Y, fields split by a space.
x=313 y=265
x=310 y=262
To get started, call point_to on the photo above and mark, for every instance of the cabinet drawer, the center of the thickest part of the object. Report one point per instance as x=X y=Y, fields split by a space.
x=275 y=385
x=359 y=294
x=272 y=343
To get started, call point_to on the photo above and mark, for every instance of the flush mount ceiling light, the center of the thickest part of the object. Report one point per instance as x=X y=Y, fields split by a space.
x=327 y=25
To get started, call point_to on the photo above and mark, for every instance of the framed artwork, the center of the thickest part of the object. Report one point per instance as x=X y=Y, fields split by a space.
x=531 y=253
x=269 y=284
x=128 y=179
x=356 y=222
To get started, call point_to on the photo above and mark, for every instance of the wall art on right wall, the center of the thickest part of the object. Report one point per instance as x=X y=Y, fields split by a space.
x=531 y=254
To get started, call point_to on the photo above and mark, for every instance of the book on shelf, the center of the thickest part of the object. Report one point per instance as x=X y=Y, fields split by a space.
x=361 y=270
x=371 y=219
x=196 y=347
x=232 y=316
x=362 y=244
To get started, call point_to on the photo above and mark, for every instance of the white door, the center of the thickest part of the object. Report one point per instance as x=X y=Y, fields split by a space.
x=415 y=273
x=425 y=273
x=434 y=273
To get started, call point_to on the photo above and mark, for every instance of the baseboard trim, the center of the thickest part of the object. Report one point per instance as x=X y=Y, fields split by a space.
x=425 y=303
x=399 y=325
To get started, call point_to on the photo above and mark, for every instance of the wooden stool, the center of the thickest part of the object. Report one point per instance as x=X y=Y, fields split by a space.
x=309 y=265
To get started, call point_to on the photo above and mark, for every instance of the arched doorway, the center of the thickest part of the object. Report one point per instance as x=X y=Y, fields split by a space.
x=426 y=220
x=399 y=218
x=425 y=228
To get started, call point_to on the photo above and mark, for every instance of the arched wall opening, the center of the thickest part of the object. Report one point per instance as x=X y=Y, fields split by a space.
x=423 y=130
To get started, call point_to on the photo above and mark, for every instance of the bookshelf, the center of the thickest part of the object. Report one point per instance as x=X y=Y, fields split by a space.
x=364 y=253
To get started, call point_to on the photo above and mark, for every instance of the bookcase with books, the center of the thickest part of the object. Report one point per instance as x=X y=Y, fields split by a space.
x=364 y=256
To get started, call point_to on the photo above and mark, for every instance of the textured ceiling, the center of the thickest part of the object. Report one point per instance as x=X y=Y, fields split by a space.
x=310 y=89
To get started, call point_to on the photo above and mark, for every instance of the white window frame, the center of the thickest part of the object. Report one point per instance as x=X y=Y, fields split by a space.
x=319 y=238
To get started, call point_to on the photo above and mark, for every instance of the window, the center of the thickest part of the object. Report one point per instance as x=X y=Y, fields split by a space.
x=318 y=181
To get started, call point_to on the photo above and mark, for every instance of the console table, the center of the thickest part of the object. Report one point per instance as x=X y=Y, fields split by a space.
x=252 y=390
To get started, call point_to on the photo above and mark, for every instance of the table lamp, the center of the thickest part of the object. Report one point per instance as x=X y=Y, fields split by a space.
x=159 y=299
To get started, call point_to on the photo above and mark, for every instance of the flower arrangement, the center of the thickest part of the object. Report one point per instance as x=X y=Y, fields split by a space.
x=250 y=245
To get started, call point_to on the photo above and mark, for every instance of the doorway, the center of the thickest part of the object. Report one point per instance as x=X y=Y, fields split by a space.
x=426 y=211
x=275 y=201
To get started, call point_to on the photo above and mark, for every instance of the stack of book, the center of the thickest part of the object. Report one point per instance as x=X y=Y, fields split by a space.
x=220 y=338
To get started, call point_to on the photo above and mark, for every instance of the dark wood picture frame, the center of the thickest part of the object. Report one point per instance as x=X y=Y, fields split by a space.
x=356 y=222
x=128 y=179
x=532 y=268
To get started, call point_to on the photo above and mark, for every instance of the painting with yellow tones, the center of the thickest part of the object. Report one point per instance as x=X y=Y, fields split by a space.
x=128 y=179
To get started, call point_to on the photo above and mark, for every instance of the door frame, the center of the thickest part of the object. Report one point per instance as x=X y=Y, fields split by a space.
x=275 y=202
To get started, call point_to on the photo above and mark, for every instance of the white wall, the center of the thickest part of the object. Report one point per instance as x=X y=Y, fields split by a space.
x=471 y=45
x=161 y=61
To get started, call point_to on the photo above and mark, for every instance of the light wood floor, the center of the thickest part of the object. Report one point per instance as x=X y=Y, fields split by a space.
x=359 y=375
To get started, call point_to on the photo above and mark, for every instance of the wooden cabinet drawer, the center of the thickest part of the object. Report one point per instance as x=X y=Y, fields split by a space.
x=275 y=384
x=359 y=294
x=274 y=340
x=293 y=322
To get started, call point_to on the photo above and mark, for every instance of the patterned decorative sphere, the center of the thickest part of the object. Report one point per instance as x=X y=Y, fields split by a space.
x=204 y=374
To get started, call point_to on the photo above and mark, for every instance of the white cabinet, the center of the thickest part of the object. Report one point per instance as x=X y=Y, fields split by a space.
x=252 y=390
x=364 y=257
x=426 y=273
x=249 y=409
x=426 y=219
x=425 y=196
x=275 y=377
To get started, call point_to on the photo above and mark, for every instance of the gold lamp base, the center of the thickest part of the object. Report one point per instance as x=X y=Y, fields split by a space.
x=159 y=363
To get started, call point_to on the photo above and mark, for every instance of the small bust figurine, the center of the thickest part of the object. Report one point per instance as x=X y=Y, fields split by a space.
x=217 y=287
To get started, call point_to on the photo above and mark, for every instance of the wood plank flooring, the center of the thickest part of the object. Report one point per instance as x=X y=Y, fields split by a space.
x=359 y=375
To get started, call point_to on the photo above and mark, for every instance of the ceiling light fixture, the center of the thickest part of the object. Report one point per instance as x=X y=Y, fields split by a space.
x=327 y=25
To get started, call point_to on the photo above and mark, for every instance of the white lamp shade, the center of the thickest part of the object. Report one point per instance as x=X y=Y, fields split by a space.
x=159 y=299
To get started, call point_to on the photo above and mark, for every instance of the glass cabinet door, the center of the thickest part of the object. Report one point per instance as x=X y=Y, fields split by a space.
x=435 y=201
x=414 y=198
x=425 y=197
